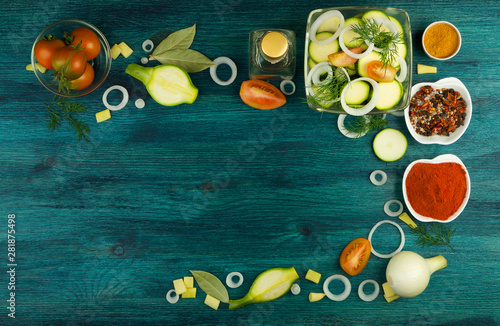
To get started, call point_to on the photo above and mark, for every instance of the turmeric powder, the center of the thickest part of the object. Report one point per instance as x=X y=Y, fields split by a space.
x=441 y=40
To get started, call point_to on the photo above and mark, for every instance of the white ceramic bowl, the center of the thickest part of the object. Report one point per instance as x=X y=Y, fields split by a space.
x=450 y=82
x=459 y=41
x=446 y=158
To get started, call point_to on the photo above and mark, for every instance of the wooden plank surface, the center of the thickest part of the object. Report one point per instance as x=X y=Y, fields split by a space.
x=102 y=228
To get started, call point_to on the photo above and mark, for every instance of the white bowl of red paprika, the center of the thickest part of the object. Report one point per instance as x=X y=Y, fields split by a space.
x=436 y=190
x=420 y=119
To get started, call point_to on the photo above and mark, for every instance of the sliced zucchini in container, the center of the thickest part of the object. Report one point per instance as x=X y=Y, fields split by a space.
x=350 y=35
x=374 y=14
x=362 y=63
x=311 y=63
x=330 y=25
x=319 y=53
x=398 y=25
x=357 y=93
x=323 y=104
x=390 y=94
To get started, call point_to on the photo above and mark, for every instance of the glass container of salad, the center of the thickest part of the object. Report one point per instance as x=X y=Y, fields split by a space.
x=358 y=60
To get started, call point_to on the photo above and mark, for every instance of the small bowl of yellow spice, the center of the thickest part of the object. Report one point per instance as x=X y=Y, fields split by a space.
x=441 y=40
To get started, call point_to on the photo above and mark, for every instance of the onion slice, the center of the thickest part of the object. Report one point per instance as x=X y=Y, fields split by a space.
x=148 y=45
x=369 y=106
x=316 y=72
x=388 y=211
x=320 y=20
x=337 y=297
x=401 y=245
x=172 y=298
x=368 y=297
x=349 y=52
x=122 y=103
x=231 y=283
x=343 y=129
x=144 y=60
x=283 y=85
x=403 y=69
x=295 y=289
x=373 y=177
x=384 y=22
x=230 y=63
x=139 y=103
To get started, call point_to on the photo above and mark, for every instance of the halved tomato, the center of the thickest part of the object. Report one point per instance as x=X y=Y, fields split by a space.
x=378 y=72
x=342 y=59
x=355 y=256
x=261 y=95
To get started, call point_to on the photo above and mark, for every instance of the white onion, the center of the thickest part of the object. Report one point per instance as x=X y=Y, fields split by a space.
x=388 y=211
x=373 y=177
x=230 y=63
x=231 y=283
x=139 y=103
x=337 y=297
x=295 y=289
x=387 y=23
x=404 y=69
x=369 y=106
x=283 y=85
x=320 y=20
x=368 y=297
x=401 y=245
x=349 y=52
x=170 y=298
x=122 y=103
x=148 y=45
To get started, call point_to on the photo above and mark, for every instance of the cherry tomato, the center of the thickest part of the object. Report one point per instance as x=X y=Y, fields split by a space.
x=261 y=95
x=355 y=256
x=378 y=72
x=45 y=49
x=90 y=42
x=342 y=59
x=70 y=62
x=84 y=80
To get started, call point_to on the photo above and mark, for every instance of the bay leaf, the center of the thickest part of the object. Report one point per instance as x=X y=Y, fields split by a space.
x=188 y=59
x=181 y=39
x=211 y=285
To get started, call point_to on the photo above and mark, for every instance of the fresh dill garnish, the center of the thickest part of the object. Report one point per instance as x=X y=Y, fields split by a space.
x=434 y=234
x=365 y=124
x=372 y=32
x=328 y=90
x=61 y=109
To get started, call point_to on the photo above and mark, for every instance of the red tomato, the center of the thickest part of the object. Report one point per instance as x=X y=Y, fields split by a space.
x=90 y=42
x=261 y=95
x=378 y=72
x=45 y=49
x=84 y=80
x=355 y=256
x=342 y=59
x=70 y=62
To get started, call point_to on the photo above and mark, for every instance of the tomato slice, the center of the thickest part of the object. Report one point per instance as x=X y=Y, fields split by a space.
x=355 y=256
x=261 y=95
x=378 y=72
x=342 y=59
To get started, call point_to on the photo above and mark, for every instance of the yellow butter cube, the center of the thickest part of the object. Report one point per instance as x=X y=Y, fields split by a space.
x=179 y=286
x=126 y=50
x=190 y=293
x=407 y=219
x=103 y=115
x=115 y=51
x=189 y=282
x=315 y=296
x=423 y=69
x=313 y=276
x=212 y=302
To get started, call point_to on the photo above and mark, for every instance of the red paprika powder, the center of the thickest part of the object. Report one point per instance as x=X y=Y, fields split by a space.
x=436 y=190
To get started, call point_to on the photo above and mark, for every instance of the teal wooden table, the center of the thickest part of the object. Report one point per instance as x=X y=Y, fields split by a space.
x=103 y=228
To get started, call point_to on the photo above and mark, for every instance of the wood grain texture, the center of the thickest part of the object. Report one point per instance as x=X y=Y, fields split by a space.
x=103 y=228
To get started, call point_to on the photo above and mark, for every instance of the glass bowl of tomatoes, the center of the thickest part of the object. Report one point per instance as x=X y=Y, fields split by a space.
x=71 y=58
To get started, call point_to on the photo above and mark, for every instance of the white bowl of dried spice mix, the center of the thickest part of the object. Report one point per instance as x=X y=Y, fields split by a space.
x=441 y=40
x=439 y=112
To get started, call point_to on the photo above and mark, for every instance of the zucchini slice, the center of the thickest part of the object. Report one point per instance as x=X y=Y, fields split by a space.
x=319 y=53
x=374 y=14
x=363 y=63
x=390 y=94
x=358 y=93
x=390 y=145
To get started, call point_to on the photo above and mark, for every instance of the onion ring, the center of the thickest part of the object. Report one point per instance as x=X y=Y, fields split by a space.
x=374 y=180
x=170 y=298
x=349 y=52
x=403 y=71
x=295 y=289
x=320 y=20
x=401 y=245
x=148 y=45
x=368 y=297
x=122 y=103
x=144 y=60
x=230 y=63
x=231 y=283
x=139 y=103
x=387 y=23
x=369 y=106
x=287 y=82
x=343 y=129
x=388 y=211
x=337 y=297
x=315 y=73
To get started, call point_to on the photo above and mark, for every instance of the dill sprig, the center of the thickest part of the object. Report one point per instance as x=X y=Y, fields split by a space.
x=372 y=32
x=363 y=125
x=329 y=90
x=434 y=234
x=61 y=109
